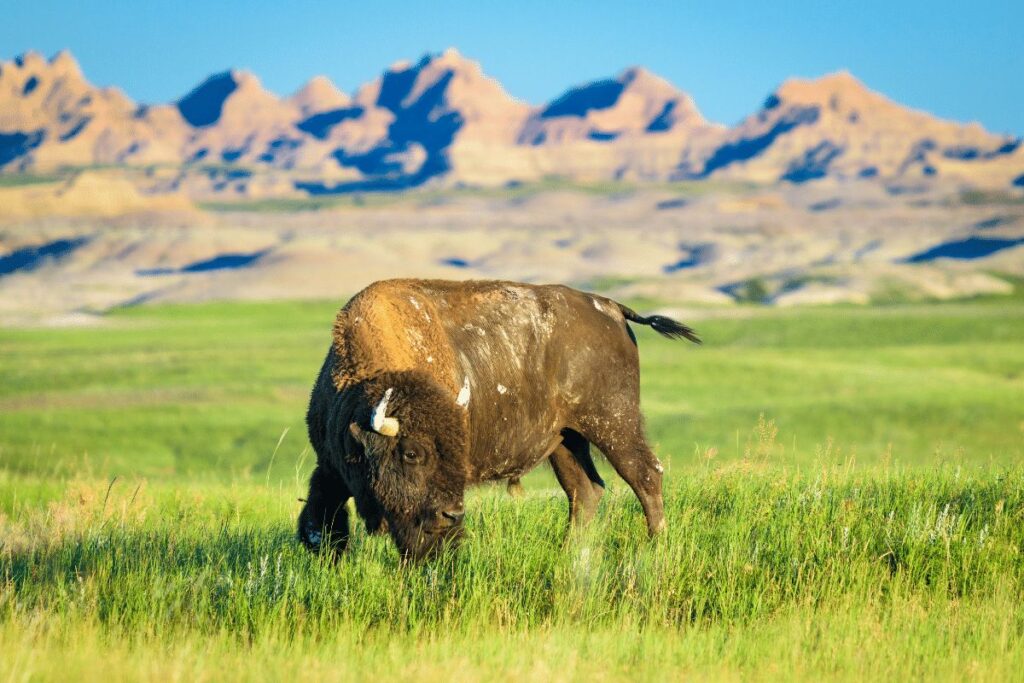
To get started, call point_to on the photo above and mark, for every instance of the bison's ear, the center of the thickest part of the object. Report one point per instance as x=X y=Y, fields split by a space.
x=372 y=442
x=359 y=434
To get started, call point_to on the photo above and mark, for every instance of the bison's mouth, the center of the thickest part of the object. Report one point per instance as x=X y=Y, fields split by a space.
x=428 y=538
x=445 y=521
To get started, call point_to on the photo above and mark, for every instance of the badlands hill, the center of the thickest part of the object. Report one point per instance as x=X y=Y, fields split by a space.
x=441 y=120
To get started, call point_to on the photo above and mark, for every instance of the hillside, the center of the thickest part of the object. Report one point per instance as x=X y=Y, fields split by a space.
x=442 y=120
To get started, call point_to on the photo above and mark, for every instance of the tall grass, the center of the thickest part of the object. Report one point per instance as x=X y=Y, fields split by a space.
x=749 y=549
x=843 y=490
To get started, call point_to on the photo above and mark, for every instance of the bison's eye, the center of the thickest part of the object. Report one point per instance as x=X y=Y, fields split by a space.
x=412 y=457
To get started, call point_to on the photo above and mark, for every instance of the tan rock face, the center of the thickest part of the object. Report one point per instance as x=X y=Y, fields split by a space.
x=834 y=126
x=90 y=194
x=235 y=120
x=636 y=103
x=634 y=126
x=434 y=105
x=51 y=116
x=442 y=120
x=318 y=95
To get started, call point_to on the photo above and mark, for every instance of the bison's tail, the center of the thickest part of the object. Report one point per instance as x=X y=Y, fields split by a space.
x=664 y=326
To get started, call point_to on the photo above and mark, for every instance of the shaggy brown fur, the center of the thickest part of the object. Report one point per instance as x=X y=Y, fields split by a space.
x=550 y=370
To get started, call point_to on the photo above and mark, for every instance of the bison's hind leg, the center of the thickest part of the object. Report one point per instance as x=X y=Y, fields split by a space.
x=627 y=450
x=575 y=471
x=515 y=488
x=323 y=521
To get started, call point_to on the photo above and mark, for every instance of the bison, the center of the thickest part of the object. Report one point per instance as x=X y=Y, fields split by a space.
x=431 y=386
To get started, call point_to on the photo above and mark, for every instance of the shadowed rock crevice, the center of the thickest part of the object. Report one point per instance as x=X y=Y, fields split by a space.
x=233 y=154
x=223 y=178
x=76 y=129
x=825 y=205
x=220 y=262
x=873 y=245
x=1008 y=148
x=664 y=120
x=602 y=136
x=693 y=255
x=966 y=249
x=396 y=86
x=203 y=106
x=14 y=145
x=424 y=124
x=30 y=258
x=748 y=148
x=995 y=222
x=814 y=163
x=279 y=147
x=962 y=153
x=320 y=125
x=373 y=162
x=578 y=101
x=970 y=153
x=918 y=155
x=677 y=203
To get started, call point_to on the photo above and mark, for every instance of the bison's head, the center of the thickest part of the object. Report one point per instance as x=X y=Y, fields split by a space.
x=412 y=436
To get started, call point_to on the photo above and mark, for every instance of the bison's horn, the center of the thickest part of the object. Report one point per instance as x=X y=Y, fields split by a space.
x=379 y=420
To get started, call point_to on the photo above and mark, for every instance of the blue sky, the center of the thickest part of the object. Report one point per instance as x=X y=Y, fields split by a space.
x=962 y=61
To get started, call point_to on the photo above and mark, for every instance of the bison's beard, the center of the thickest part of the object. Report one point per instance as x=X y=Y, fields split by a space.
x=418 y=539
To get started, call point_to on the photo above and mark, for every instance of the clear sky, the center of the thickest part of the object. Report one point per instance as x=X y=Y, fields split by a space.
x=960 y=60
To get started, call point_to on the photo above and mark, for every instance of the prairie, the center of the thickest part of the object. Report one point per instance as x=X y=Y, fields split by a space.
x=844 y=494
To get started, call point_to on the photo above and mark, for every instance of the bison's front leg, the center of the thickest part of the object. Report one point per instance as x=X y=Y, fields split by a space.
x=323 y=521
x=515 y=488
x=373 y=516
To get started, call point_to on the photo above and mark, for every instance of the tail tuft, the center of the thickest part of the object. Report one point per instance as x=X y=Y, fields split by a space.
x=667 y=327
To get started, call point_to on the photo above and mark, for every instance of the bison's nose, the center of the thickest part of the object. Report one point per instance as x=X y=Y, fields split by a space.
x=454 y=515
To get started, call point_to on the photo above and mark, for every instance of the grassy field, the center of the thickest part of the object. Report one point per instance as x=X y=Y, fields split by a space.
x=207 y=391
x=844 y=494
x=519 y=191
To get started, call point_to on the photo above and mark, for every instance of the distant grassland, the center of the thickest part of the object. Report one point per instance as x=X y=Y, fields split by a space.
x=514 y=191
x=206 y=391
x=22 y=179
x=845 y=499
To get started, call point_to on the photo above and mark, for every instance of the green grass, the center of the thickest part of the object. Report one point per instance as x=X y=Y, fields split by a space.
x=22 y=179
x=829 y=573
x=291 y=205
x=844 y=494
x=431 y=196
x=991 y=197
x=206 y=391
